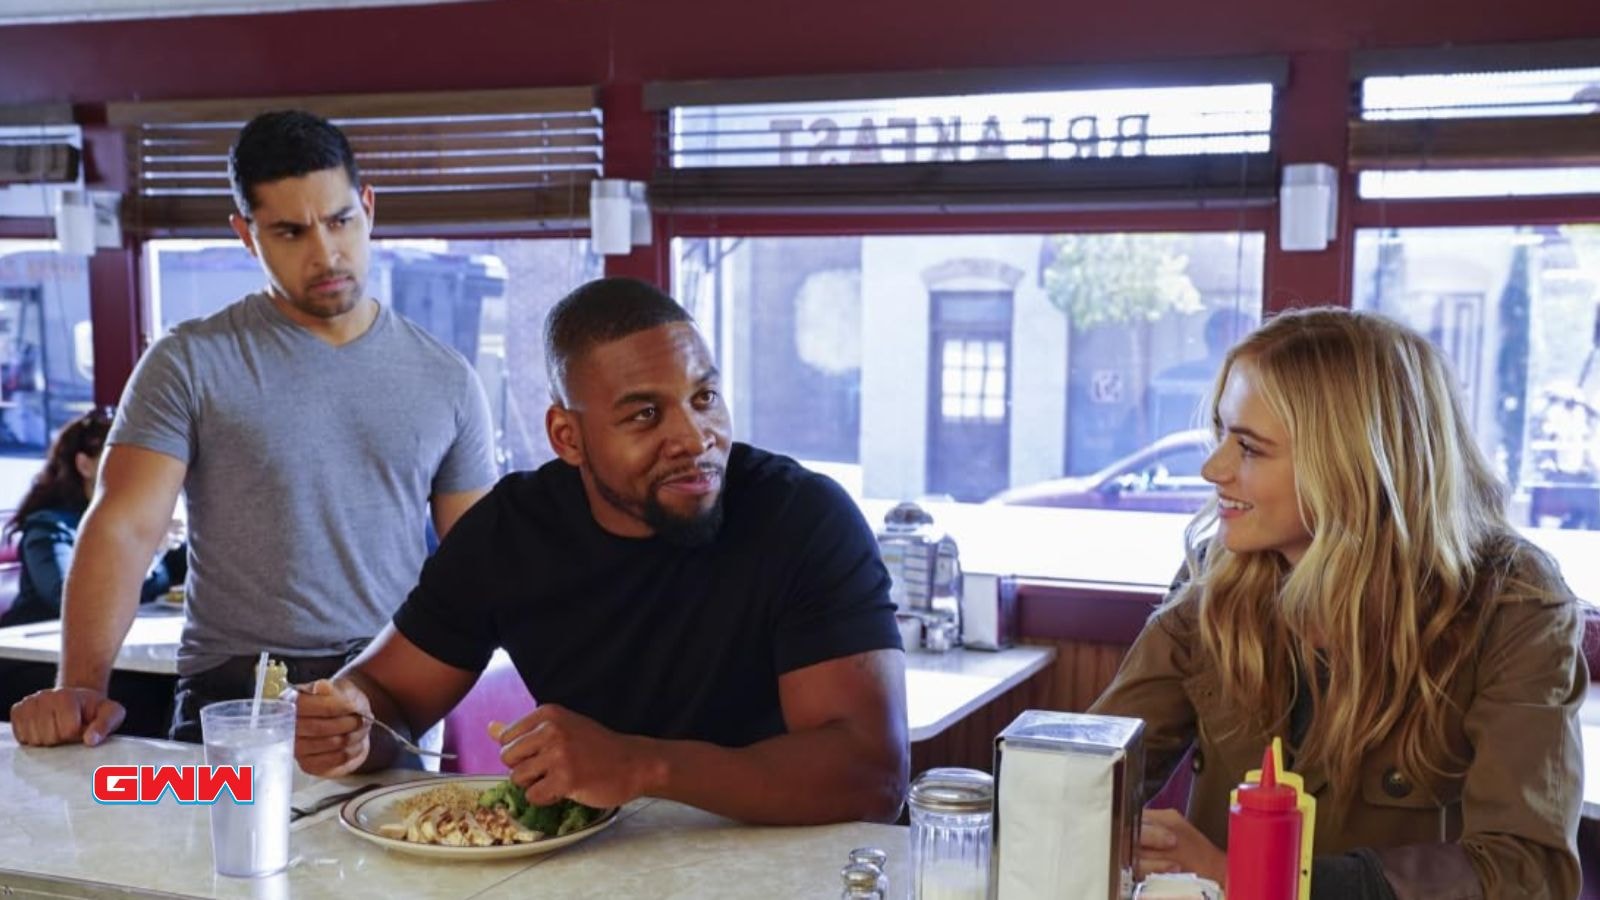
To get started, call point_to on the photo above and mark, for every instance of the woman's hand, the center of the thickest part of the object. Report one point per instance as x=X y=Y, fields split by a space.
x=1168 y=843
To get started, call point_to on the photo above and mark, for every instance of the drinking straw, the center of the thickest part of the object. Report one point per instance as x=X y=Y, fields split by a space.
x=261 y=685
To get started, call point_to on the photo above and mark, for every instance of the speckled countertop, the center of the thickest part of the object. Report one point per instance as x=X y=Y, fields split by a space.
x=59 y=842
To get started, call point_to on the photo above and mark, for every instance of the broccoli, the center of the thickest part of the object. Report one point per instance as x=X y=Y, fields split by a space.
x=577 y=818
x=506 y=794
x=543 y=819
x=558 y=818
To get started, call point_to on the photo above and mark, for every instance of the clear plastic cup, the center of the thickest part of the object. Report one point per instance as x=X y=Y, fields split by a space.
x=251 y=839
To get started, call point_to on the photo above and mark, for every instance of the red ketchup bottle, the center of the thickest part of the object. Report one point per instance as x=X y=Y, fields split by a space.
x=1264 y=839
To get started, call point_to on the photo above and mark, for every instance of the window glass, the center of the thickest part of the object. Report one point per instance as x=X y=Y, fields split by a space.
x=485 y=298
x=1011 y=382
x=1449 y=183
x=46 y=355
x=1517 y=311
x=1472 y=95
x=1499 y=95
x=1035 y=125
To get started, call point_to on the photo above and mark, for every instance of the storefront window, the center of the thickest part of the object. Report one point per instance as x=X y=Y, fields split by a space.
x=1517 y=311
x=1009 y=376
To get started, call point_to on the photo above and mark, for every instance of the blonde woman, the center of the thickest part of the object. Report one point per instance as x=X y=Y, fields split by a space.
x=1365 y=598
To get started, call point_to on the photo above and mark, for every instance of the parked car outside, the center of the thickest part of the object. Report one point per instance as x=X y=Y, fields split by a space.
x=1162 y=477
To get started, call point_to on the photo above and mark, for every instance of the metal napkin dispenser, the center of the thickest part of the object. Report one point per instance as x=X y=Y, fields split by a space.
x=988 y=611
x=1067 y=807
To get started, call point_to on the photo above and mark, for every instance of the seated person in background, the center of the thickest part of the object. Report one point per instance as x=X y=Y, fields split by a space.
x=46 y=529
x=1365 y=598
x=46 y=524
x=699 y=620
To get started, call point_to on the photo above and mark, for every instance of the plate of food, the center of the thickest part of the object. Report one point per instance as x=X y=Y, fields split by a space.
x=468 y=817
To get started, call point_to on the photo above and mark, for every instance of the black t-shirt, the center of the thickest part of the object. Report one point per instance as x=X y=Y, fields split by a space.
x=649 y=638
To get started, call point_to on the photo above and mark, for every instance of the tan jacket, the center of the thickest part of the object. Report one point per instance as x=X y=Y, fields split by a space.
x=1508 y=828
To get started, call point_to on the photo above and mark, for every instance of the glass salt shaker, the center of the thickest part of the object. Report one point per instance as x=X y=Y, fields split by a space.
x=861 y=882
x=878 y=859
x=951 y=820
x=871 y=856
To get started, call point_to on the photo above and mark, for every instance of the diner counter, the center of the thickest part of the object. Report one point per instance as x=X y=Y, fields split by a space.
x=151 y=645
x=944 y=688
x=60 y=842
x=941 y=688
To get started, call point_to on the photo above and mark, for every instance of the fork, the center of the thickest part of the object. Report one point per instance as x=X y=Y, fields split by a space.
x=402 y=740
x=321 y=803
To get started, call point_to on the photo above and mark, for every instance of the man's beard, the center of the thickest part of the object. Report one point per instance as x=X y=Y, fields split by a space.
x=696 y=530
x=327 y=307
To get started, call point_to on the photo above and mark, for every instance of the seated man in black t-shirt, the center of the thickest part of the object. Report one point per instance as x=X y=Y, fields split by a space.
x=698 y=620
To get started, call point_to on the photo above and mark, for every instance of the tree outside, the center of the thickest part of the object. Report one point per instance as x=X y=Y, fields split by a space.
x=1119 y=279
x=1111 y=289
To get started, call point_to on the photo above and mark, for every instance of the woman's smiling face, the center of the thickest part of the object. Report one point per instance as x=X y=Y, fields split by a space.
x=1253 y=469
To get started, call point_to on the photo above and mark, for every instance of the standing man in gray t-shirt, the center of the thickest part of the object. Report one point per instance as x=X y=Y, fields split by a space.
x=311 y=429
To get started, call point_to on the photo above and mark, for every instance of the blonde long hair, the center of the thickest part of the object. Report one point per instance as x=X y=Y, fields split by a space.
x=1402 y=508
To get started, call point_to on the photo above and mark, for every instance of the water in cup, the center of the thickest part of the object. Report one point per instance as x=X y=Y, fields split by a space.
x=251 y=839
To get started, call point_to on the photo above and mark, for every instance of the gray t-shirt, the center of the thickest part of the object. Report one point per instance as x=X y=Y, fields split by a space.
x=309 y=471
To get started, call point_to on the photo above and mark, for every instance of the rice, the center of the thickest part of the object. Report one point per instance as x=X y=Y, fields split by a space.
x=452 y=797
x=449 y=815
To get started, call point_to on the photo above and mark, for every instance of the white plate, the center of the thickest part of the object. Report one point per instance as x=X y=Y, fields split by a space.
x=365 y=814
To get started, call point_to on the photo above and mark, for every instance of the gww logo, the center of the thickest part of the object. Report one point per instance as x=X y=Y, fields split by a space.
x=188 y=784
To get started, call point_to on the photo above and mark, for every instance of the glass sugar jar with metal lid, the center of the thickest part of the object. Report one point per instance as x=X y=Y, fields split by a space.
x=952 y=814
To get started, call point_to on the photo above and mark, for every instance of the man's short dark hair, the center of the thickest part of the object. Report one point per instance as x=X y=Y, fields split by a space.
x=287 y=143
x=602 y=311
